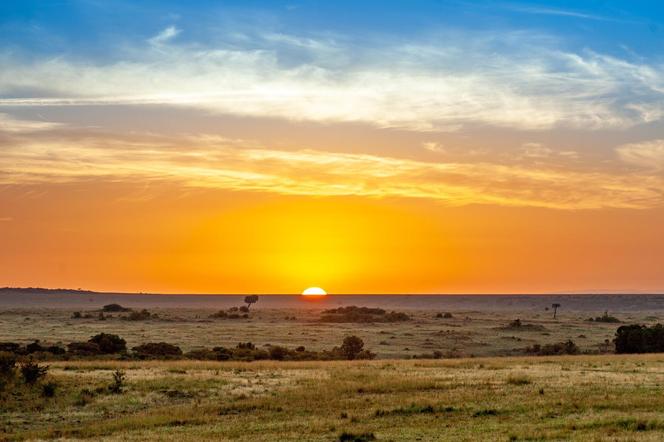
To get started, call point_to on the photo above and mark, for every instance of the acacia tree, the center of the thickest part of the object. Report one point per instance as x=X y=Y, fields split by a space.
x=555 y=309
x=251 y=299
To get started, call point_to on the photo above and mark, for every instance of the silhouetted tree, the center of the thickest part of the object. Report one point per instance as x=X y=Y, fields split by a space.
x=555 y=306
x=251 y=299
x=352 y=347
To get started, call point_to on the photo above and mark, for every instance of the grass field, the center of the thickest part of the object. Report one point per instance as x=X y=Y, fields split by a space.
x=467 y=333
x=592 y=398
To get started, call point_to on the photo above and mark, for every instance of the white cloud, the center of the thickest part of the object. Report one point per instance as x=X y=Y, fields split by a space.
x=422 y=86
x=13 y=125
x=646 y=154
x=433 y=146
x=164 y=36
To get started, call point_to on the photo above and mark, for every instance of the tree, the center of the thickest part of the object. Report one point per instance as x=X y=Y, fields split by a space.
x=251 y=299
x=109 y=343
x=555 y=306
x=352 y=347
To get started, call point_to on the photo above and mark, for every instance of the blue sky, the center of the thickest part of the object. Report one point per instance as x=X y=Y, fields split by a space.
x=96 y=28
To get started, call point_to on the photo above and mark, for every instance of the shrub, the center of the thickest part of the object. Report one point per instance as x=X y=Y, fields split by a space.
x=518 y=379
x=561 y=348
x=351 y=437
x=141 y=316
x=84 y=397
x=48 y=389
x=11 y=347
x=114 y=308
x=278 y=353
x=83 y=349
x=352 y=347
x=7 y=365
x=605 y=318
x=109 y=343
x=76 y=315
x=518 y=325
x=33 y=347
x=118 y=382
x=362 y=315
x=244 y=309
x=157 y=350
x=639 y=339
x=33 y=372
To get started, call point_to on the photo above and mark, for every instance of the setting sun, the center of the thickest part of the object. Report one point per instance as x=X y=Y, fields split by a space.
x=314 y=291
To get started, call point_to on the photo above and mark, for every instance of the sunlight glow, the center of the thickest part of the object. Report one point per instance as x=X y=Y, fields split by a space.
x=314 y=291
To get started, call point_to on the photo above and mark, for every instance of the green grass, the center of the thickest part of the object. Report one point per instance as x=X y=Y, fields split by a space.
x=587 y=398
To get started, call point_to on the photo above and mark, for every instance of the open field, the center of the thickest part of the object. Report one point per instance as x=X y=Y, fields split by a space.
x=477 y=326
x=469 y=394
x=589 y=398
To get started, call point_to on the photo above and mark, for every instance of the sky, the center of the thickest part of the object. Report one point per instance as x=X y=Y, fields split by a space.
x=363 y=147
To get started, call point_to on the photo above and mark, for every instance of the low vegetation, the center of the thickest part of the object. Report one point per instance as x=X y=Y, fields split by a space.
x=605 y=318
x=518 y=325
x=586 y=398
x=561 y=348
x=362 y=315
x=640 y=339
x=110 y=345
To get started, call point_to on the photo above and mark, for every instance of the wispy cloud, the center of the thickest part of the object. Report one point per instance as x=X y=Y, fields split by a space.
x=646 y=154
x=516 y=81
x=164 y=36
x=216 y=162
x=541 y=10
x=13 y=125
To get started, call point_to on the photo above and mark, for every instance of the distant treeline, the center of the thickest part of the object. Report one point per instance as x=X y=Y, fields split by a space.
x=43 y=290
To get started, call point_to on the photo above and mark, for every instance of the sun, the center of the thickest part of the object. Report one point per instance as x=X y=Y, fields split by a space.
x=314 y=291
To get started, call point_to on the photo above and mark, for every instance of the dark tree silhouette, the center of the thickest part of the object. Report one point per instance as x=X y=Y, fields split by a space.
x=555 y=306
x=251 y=299
x=352 y=347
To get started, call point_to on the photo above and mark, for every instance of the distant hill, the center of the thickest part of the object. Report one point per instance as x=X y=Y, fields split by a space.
x=45 y=291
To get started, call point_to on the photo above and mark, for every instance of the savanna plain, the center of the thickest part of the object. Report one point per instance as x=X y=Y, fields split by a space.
x=447 y=372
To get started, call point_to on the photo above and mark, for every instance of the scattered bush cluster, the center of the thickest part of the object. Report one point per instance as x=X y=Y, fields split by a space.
x=560 y=348
x=640 y=339
x=446 y=315
x=140 y=315
x=105 y=344
x=605 y=318
x=362 y=315
x=517 y=325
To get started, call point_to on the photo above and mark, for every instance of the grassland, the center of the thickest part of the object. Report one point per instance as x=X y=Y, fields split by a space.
x=468 y=395
x=467 y=333
x=591 y=398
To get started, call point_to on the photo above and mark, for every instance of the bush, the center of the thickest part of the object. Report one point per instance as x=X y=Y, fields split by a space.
x=48 y=389
x=118 y=382
x=76 y=315
x=518 y=325
x=362 y=315
x=605 y=318
x=83 y=349
x=351 y=437
x=352 y=347
x=7 y=365
x=244 y=309
x=639 y=339
x=33 y=372
x=157 y=350
x=561 y=348
x=109 y=343
x=114 y=308
x=141 y=316
x=11 y=347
